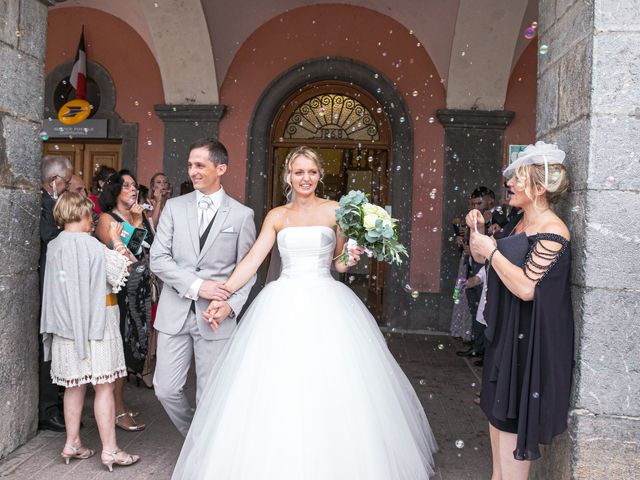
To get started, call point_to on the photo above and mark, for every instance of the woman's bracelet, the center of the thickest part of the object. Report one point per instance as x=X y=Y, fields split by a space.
x=492 y=254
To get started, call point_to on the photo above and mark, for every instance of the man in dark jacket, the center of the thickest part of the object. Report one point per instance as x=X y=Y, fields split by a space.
x=56 y=175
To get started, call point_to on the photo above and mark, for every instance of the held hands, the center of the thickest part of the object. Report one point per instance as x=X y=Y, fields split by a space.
x=216 y=313
x=214 y=291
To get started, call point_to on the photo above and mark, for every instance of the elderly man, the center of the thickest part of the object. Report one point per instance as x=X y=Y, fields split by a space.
x=77 y=185
x=56 y=176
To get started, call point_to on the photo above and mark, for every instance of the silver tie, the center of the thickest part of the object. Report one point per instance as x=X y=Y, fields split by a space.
x=205 y=205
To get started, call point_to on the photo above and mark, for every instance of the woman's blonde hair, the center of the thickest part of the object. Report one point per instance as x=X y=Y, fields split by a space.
x=529 y=177
x=72 y=207
x=311 y=154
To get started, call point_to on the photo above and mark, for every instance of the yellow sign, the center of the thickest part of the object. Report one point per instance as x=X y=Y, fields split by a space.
x=74 y=111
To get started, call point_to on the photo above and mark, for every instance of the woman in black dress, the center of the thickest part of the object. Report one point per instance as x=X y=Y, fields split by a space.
x=119 y=203
x=528 y=361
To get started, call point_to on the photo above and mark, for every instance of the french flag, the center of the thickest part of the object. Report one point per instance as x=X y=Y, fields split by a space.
x=78 y=78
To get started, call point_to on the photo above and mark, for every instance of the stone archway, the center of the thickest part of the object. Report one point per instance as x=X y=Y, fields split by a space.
x=393 y=106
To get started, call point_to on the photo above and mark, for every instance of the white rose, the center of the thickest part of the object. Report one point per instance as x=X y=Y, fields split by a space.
x=370 y=221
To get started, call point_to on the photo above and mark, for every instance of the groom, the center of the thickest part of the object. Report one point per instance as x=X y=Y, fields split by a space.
x=201 y=237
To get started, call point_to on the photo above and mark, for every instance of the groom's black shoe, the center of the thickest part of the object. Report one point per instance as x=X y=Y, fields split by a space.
x=467 y=353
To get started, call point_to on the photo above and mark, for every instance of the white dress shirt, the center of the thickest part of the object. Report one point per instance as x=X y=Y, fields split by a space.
x=204 y=218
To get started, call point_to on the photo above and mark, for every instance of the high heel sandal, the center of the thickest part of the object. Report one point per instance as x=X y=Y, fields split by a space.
x=81 y=453
x=136 y=427
x=118 y=460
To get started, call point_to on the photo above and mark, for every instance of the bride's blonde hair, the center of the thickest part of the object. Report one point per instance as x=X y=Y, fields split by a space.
x=303 y=151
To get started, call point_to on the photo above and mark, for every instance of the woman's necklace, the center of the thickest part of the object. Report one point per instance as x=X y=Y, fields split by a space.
x=128 y=217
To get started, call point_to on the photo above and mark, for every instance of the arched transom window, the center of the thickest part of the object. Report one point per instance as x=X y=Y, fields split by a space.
x=331 y=116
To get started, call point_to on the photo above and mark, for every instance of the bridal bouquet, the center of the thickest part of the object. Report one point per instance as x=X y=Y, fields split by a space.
x=369 y=226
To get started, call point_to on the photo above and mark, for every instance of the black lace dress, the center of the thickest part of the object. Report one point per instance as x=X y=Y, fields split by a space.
x=134 y=301
x=528 y=361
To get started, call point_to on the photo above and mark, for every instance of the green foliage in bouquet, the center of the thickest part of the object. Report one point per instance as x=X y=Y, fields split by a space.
x=371 y=227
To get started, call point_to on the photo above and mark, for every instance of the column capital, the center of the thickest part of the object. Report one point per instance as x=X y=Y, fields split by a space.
x=190 y=113
x=475 y=119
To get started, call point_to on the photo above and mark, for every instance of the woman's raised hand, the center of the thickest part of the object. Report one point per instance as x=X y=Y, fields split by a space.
x=115 y=230
x=475 y=221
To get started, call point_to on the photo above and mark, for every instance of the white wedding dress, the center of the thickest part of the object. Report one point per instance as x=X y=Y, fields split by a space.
x=307 y=389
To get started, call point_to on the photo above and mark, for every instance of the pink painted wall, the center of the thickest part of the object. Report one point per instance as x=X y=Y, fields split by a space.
x=124 y=54
x=521 y=99
x=347 y=31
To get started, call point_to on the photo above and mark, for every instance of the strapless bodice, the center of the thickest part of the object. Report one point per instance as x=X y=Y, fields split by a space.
x=306 y=252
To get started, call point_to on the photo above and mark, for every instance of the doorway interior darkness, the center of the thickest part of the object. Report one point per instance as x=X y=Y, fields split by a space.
x=374 y=91
x=346 y=126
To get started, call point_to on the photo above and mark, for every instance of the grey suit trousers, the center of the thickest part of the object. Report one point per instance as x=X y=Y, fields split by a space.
x=173 y=360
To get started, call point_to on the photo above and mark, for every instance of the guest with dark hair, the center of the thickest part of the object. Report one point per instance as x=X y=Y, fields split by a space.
x=97 y=183
x=56 y=173
x=473 y=291
x=119 y=200
x=526 y=379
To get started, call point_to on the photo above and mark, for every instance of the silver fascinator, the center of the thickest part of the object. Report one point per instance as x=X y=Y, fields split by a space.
x=539 y=154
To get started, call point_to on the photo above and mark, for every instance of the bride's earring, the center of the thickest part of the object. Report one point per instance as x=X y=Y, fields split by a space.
x=54 y=190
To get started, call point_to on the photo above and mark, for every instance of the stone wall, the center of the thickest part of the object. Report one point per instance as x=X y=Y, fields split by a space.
x=588 y=102
x=23 y=26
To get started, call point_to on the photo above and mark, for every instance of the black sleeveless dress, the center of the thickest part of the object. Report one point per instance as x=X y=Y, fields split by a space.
x=528 y=361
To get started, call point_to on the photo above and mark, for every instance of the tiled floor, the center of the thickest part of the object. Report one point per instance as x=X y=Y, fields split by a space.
x=445 y=384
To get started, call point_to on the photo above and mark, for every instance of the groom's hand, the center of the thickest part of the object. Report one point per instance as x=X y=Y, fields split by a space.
x=213 y=291
x=216 y=313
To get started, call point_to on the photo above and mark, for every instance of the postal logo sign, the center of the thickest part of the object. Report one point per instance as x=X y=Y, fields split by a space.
x=74 y=112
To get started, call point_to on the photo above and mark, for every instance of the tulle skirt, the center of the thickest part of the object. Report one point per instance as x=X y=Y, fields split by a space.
x=308 y=390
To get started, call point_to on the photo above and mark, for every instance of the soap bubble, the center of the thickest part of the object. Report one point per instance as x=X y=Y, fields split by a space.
x=535 y=395
x=543 y=49
x=440 y=346
x=62 y=276
x=521 y=336
x=529 y=33
x=44 y=136
x=419 y=215
x=415 y=294
x=414 y=93
x=431 y=120
x=423 y=382
x=459 y=443
x=610 y=182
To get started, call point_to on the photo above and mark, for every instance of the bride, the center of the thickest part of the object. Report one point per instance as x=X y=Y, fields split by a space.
x=307 y=388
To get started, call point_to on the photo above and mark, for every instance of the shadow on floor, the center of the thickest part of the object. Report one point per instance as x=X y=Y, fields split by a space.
x=444 y=382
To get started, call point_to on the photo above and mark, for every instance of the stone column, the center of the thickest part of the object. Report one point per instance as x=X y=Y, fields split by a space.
x=474 y=151
x=588 y=97
x=22 y=49
x=183 y=124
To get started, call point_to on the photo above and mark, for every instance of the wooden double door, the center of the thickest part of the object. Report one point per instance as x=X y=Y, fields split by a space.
x=86 y=157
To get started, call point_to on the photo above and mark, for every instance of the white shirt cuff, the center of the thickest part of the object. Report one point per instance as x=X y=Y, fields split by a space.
x=192 y=293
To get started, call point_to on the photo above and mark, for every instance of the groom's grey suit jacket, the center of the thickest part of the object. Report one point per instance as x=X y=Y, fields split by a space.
x=177 y=260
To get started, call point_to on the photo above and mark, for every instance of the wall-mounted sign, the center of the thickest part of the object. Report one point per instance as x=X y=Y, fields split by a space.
x=94 y=128
x=513 y=152
x=74 y=111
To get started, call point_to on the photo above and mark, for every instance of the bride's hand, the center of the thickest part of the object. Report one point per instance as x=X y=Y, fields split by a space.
x=354 y=255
